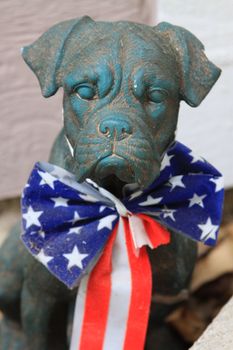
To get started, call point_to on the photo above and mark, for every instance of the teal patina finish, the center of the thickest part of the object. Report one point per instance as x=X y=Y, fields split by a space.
x=123 y=83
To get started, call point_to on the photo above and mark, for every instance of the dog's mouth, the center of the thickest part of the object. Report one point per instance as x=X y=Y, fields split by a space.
x=114 y=165
x=132 y=162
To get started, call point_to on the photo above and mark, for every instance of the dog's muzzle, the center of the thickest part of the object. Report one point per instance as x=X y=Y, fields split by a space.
x=114 y=146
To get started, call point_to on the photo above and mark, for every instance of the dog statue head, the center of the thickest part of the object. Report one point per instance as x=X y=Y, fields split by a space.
x=122 y=83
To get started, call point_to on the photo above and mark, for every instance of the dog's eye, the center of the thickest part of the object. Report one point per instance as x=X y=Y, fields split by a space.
x=157 y=95
x=85 y=91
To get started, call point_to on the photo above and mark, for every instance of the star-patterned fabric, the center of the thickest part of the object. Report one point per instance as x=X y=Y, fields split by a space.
x=67 y=224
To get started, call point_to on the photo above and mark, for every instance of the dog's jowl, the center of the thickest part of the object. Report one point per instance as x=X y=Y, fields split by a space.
x=123 y=83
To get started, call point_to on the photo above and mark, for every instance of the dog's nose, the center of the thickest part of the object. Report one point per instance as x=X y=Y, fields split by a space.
x=115 y=128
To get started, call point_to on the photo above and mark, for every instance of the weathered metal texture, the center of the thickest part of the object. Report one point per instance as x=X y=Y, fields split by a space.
x=30 y=123
x=112 y=94
x=122 y=83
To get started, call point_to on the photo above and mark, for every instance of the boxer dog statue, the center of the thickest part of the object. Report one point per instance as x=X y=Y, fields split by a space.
x=123 y=83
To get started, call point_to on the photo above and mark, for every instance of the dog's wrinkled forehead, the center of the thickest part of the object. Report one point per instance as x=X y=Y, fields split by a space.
x=77 y=42
x=111 y=57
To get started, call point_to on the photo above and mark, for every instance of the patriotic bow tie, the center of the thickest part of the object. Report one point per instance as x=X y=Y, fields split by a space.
x=82 y=232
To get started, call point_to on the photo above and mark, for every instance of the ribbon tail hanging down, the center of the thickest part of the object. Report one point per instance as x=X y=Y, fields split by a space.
x=140 y=299
x=113 y=303
x=92 y=303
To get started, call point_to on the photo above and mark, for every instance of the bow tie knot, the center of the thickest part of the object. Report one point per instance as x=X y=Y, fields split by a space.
x=120 y=207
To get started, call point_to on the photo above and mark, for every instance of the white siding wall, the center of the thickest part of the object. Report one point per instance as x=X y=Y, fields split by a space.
x=208 y=128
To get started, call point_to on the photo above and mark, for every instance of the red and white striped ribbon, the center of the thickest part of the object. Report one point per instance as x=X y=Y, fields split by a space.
x=113 y=301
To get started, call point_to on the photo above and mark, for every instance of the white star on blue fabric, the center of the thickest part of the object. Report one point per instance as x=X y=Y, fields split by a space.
x=169 y=213
x=196 y=158
x=75 y=258
x=41 y=233
x=75 y=230
x=106 y=222
x=166 y=161
x=43 y=258
x=218 y=184
x=198 y=200
x=176 y=181
x=60 y=202
x=151 y=201
x=32 y=217
x=47 y=179
x=102 y=208
x=208 y=230
x=76 y=218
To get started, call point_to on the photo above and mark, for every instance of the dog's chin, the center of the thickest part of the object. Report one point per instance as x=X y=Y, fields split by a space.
x=113 y=172
x=117 y=166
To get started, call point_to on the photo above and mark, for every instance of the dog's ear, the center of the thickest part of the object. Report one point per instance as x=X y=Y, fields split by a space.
x=198 y=74
x=44 y=56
